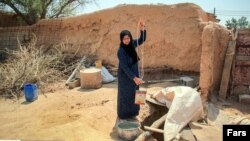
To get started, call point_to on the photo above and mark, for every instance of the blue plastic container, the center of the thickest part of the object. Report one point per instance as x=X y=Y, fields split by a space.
x=30 y=92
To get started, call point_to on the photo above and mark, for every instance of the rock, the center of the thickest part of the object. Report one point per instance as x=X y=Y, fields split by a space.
x=74 y=83
x=241 y=89
x=244 y=98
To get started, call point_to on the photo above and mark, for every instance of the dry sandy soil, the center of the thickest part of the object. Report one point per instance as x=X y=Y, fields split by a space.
x=68 y=115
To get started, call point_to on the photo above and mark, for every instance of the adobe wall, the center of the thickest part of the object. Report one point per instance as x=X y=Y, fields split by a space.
x=215 y=40
x=179 y=36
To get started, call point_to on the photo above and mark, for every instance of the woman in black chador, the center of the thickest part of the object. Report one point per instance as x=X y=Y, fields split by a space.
x=128 y=73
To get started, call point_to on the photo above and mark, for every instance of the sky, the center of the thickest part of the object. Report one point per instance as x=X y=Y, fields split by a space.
x=224 y=9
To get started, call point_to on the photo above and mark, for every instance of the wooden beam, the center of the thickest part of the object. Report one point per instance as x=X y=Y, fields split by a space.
x=145 y=135
x=153 y=129
x=243 y=58
x=227 y=69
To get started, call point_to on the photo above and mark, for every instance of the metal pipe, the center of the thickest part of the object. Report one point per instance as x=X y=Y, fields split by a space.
x=164 y=80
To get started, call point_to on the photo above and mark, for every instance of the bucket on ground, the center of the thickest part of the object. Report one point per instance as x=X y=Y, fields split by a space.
x=30 y=92
x=128 y=130
x=91 y=78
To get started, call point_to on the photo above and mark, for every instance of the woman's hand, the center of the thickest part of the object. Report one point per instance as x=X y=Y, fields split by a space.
x=141 y=25
x=138 y=81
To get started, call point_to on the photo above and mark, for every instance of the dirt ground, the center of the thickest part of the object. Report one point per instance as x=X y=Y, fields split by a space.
x=67 y=115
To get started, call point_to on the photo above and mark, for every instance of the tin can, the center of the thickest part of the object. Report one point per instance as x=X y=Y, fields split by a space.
x=140 y=97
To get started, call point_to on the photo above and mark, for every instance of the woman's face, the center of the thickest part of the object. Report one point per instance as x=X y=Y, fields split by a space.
x=126 y=40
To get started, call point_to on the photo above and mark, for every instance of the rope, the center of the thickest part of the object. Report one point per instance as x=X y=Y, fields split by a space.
x=141 y=73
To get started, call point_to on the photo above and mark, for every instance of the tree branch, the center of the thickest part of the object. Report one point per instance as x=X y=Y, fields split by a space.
x=56 y=15
x=19 y=13
x=47 y=4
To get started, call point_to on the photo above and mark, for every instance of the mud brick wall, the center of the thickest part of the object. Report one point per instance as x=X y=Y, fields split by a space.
x=173 y=40
x=179 y=36
x=242 y=65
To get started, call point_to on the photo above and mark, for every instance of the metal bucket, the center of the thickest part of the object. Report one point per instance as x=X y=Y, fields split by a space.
x=128 y=130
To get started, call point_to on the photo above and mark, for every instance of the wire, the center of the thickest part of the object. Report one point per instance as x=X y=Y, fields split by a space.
x=233 y=15
x=230 y=13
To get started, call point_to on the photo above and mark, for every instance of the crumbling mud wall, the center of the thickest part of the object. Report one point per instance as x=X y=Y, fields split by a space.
x=215 y=40
x=47 y=33
x=174 y=33
x=8 y=19
x=179 y=36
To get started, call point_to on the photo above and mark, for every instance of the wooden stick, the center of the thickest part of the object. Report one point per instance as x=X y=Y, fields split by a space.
x=145 y=135
x=74 y=72
x=227 y=69
x=159 y=122
x=153 y=129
